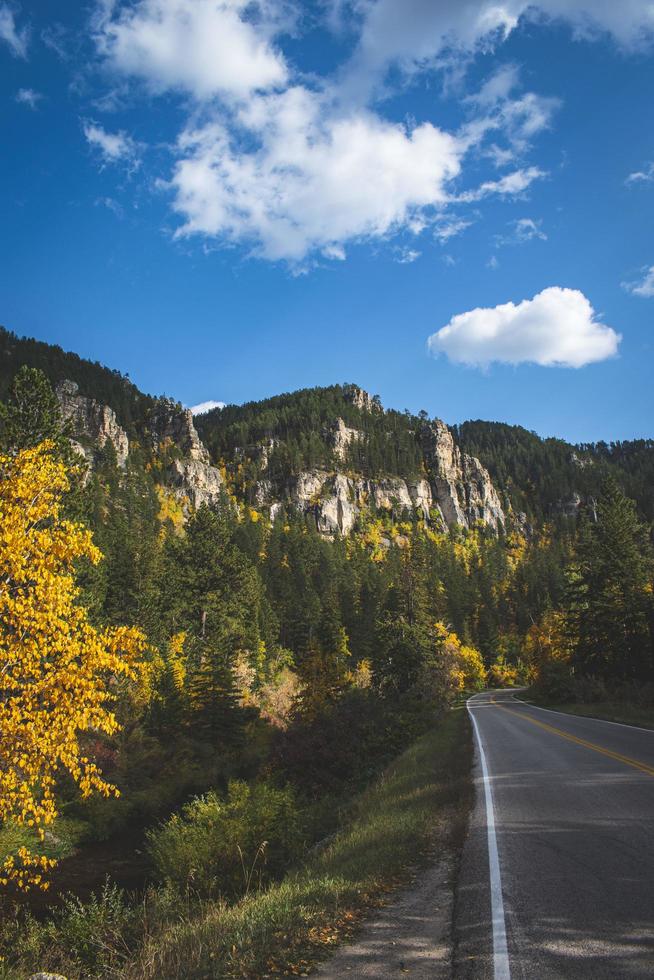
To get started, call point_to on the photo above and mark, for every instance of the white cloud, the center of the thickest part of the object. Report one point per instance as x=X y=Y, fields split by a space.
x=557 y=328
x=289 y=166
x=511 y=185
x=204 y=47
x=416 y=34
x=446 y=228
x=28 y=97
x=519 y=117
x=645 y=176
x=644 y=286
x=314 y=178
x=56 y=38
x=493 y=263
x=113 y=147
x=336 y=252
x=16 y=38
x=406 y=256
x=522 y=231
x=111 y=205
x=206 y=407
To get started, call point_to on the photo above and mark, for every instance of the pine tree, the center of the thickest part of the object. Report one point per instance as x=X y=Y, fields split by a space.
x=32 y=415
x=213 y=712
x=611 y=592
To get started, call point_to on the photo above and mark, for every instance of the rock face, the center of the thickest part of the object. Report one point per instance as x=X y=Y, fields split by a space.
x=341 y=436
x=461 y=485
x=197 y=482
x=457 y=489
x=192 y=478
x=335 y=501
x=93 y=425
x=361 y=399
x=189 y=473
x=170 y=423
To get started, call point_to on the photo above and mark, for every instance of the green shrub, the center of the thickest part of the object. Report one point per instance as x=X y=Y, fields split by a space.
x=556 y=683
x=589 y=690
x=83 y=939
x=226 y=847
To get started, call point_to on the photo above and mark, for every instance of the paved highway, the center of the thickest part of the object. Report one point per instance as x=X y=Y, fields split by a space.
x=557 y=878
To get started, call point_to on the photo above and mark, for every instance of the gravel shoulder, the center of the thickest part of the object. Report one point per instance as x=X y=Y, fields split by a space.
x=412 y=936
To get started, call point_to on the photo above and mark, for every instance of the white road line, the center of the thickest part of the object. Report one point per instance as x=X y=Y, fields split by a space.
x=569 y=714
x=501 y=968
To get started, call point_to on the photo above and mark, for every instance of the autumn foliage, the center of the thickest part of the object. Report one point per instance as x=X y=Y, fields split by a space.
x=58 y=673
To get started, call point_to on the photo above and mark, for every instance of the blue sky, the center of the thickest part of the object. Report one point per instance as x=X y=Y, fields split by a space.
x=449 y=203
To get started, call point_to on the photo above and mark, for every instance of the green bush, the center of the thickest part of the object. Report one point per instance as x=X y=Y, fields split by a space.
x=556 y=683
x=226 y=847
x=84 y=939
x=589 y=690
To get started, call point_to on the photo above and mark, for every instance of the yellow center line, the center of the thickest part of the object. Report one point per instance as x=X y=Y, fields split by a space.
x=579 y=741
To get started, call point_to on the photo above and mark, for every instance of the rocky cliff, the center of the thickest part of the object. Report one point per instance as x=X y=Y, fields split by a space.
x=461 y=485
x=336 y=500
x=93 y=425
x=455 y=489
x=187 y=471
x=450 y=487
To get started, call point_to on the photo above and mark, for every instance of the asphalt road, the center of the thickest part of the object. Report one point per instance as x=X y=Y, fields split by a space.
x=573 y=807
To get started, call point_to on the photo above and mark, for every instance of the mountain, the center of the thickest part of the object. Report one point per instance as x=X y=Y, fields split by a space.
x=334 y=453
x=94 y=380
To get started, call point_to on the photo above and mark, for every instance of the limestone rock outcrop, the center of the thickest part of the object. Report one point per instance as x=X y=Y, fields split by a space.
x=195 y=481
x=92 y=425
x=170 y=423
x=190 y=475
x=341 y=437
x=461 y=485
x=335 y=500
x=362 y=399
x=188 y=471
x=454 y=488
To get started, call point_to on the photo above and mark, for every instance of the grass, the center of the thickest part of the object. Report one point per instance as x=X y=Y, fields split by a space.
x=417 y=808
x=621 y=711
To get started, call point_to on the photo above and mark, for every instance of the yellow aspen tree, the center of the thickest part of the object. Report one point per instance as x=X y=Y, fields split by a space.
x=58 y=674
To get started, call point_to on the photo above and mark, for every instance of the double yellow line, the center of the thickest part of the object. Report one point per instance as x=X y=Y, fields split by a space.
x=579 y=741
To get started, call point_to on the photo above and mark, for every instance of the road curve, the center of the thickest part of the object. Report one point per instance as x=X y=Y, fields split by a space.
x=573 y=808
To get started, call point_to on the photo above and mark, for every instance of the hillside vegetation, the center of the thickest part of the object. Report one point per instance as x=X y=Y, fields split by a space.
x=271 y=671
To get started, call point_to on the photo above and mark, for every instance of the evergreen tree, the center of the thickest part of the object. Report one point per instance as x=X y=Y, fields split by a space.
x=611 y=592
x=32 y=414
x=214 y=715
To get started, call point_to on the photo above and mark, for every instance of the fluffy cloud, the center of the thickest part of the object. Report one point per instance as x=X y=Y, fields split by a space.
x=112 y=147
x=644 y=286
x=206 y=407
x=557 y=328
x=288 y=165
x=419 y=33
x=206 y=48
x=9 y=33
x=314 y=179
x=28 y=97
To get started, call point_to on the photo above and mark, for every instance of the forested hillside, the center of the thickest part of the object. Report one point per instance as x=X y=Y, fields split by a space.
x=316 y=566
x=96 y=381
x=543 y=475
